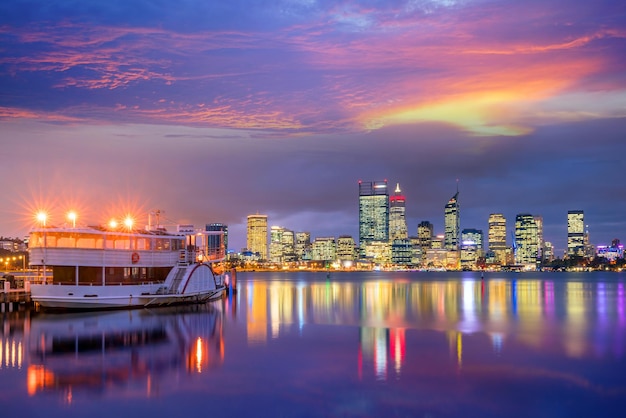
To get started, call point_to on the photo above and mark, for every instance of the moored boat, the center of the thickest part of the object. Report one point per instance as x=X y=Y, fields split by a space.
x=106 y=267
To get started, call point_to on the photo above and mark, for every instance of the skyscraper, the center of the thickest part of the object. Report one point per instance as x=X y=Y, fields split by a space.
x=471 y=247
x=526 y=240
x=257 y=235
x=539 y=223
x=452 y=223
x=373 y=212
x=575 y=233
x=276 y=244
x=497 y=236
x=397 y=218
x=303 y=245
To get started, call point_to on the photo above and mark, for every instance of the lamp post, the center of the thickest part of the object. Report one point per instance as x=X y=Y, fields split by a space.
x=42 y=217
x=72 y=217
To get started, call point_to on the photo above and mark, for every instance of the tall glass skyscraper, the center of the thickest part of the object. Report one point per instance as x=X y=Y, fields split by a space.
x=257 y=235
x=373 y=212
x=452 y=222
x=397 y=215
x=575 y=233
x=497 y=236
x=526 y=240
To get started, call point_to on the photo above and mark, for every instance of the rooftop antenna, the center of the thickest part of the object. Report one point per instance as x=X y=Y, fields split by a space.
x=157 y=213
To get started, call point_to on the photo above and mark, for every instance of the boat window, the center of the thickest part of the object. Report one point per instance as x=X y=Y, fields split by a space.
x=122 y=243
x=35 y=240
x=142 y=244
x=87 y=241
x=163 y=244
x=64 y=239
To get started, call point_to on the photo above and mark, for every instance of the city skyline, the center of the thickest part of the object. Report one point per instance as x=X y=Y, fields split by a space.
x=214 y=111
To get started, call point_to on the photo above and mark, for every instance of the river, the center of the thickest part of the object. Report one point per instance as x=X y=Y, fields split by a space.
x=358 y=344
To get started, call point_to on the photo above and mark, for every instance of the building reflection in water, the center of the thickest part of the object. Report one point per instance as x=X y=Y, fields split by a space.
x=384 y=310
x=106 y=351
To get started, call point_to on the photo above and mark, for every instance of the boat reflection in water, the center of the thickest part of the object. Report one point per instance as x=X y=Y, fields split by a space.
x=122 y=350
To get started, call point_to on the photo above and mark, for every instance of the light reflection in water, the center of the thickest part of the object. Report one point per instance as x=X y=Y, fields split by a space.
x=385 y=309
x=120 y=350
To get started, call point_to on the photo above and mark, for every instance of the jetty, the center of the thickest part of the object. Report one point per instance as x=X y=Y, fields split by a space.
x=14 y=291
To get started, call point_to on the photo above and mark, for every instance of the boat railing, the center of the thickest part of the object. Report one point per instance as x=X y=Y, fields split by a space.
x=70 y=283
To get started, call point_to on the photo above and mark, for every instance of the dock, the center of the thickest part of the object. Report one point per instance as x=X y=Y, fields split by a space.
x=11 y=299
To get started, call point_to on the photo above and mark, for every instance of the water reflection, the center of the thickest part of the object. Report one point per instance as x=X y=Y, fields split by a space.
x=113 y=351
x=356 y=345
x=580 y=318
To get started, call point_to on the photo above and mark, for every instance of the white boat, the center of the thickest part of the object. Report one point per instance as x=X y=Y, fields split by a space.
x=100 y=267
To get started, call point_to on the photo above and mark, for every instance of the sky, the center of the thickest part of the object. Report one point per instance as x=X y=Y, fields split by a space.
x=211 y=111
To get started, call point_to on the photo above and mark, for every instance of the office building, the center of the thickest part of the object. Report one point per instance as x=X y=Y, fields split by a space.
x=257 y=235
x=346 y=248
x=397 y=216
x=282 y=248
x=471 y=247
x=497 y=237
x=401 y=252
x=425 y=232
x=526 y=249
x=324 y=249
x=302 y=246
x=575 y=233
x=539 y=223
x=373 y=212
x=452 y=222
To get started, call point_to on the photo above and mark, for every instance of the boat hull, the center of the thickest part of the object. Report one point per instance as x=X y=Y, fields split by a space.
x=60 y=297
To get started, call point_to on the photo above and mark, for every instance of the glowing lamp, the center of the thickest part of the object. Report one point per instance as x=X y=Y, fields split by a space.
x=128 y=222
x=42 y=217
x=112 y=224
x=72 y=217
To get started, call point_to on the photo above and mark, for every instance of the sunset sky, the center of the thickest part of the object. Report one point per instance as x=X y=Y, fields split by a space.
x=213 y=110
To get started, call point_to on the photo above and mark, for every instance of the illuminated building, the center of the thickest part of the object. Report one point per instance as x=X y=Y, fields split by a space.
x=539 y=223
x=425 y=234
x=526 y=241
x=303 y=245
x=281 y=245
x=548 y=251
x=612 y=252
x=289 y=247
x=575 y=233
x=471 y=247
x=401 y=252
x=324 y=249
x=418 y=254
x=213 y=240
x=373 y=212
x=397 y=219
x=257 y=235
x=379 y=252
x=345 y=248
x=437 y=242
x=452 y=223
x=497 y=237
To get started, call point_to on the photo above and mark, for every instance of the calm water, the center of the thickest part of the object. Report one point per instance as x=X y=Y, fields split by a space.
x=352 y=345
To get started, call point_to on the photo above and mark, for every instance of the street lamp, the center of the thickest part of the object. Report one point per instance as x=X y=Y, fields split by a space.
x=42 y=217
x=72 y=217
